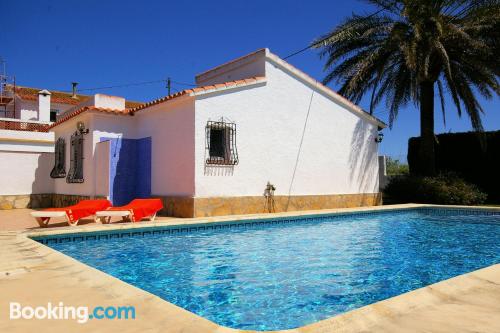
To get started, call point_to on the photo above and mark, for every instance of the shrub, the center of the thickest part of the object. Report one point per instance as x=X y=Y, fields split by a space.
x=395 y=167
x=445 y=189
x=476 y=161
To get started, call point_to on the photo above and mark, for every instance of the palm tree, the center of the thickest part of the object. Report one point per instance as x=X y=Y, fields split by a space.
x=408 y=48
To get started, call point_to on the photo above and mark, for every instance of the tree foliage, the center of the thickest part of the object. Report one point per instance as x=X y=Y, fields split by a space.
x=452 y=44
x=395 y=167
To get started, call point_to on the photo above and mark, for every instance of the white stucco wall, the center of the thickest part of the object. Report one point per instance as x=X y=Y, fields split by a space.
x=289 y=133
x=102 y=186
x=338 y=153
x=26 y=159
x=24 y=172
x=101 y=126
x=112 y=126
x=27 y=110
x=26 y=141
x=65 y=130
x=244 y=68
x=171 y=127
x=105 y=101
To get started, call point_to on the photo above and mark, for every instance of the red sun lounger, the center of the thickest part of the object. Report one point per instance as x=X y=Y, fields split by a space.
x=73 y=213
x=135 y=211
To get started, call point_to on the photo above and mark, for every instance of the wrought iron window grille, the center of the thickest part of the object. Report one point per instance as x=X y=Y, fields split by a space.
x=59 y=169
x=220 y=143
x=75 y=173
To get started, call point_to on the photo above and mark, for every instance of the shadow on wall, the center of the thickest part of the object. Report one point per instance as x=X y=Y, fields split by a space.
x=361 y=159
x=42 y=188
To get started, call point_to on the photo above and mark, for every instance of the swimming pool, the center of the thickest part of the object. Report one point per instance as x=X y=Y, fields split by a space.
x=285 y=273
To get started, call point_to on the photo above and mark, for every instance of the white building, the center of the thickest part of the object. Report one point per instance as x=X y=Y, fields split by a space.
x=253 y=124
x=35 y=105
x=26 y=145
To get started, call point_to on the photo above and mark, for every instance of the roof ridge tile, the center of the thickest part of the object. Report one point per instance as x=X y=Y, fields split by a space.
x=82 y=109
x=131 y=111
x=195 y=90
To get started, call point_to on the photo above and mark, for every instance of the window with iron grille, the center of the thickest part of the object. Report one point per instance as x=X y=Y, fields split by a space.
x=221 y=143
x=75 y=173
x=59 y=169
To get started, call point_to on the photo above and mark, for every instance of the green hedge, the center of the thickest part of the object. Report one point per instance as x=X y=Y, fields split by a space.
x=444 y=189
x=463 y=154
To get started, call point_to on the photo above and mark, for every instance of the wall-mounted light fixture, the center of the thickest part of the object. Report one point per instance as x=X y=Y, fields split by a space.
x=80 y=126
x=379 y=137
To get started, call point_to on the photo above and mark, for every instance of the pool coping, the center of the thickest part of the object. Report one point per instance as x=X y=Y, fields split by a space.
x=31 y=260
x=237 y=218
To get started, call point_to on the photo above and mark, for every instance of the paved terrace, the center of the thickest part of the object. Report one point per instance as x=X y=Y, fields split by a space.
x=21 y=220
x=33 y=274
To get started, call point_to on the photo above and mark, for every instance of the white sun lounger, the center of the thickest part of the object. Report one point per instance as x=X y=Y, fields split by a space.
x=135 y=211
x=43 y=218
x=106 y=215
x=73 y=214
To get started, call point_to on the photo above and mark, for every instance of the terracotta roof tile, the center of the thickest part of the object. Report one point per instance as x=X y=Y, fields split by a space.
x=81 y=110
x=60 y=97
x=132 y=104
x=31 y=94
x=199 y=90
x=132 y=110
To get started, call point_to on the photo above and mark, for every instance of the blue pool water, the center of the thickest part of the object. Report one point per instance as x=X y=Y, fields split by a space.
x=279 y=276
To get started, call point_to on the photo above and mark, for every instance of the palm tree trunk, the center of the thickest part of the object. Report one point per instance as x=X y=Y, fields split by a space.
x=426 y=152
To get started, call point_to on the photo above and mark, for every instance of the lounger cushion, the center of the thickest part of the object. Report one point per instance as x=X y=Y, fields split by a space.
x=113 y=213
x=140 y=208
x=48 y=214
x=82 y=209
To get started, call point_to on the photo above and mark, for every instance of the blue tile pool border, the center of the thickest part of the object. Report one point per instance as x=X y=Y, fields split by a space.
x=250 y=223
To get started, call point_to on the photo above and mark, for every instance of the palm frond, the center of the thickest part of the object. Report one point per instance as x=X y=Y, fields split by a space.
x=452 y=43
x=441 y=100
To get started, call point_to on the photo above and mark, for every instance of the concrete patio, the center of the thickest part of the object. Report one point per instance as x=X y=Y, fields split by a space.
x=20 y=219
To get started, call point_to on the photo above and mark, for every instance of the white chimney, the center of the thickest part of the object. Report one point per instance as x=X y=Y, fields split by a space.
x=44 y=105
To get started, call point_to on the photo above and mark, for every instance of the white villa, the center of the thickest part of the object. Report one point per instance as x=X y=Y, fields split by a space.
x=256 y=135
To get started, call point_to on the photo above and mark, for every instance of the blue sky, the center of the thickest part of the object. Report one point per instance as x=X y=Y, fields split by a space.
x=101 y=43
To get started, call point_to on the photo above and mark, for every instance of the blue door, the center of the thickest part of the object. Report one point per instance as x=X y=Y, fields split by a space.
x=130 y=169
